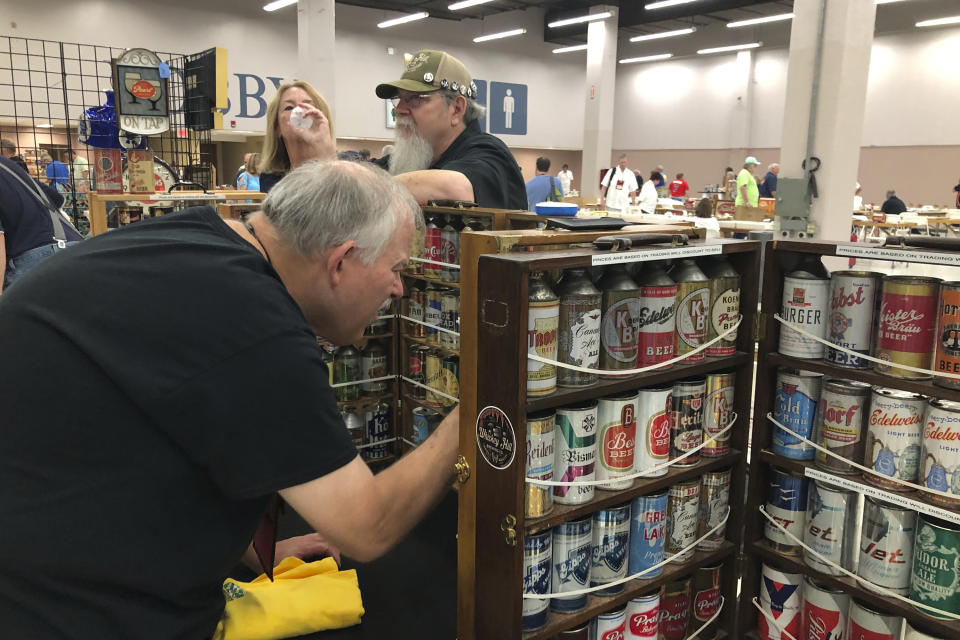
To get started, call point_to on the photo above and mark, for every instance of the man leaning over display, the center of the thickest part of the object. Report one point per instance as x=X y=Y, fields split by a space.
x=164 y=385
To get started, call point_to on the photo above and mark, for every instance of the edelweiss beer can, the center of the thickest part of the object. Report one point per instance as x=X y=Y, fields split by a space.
x=714 y=501
x=839 y=425
x=870 y=624
x=433 y=313
x=611 y=625
x=450 y=319
x=416 y=309
x=572 y=543
x=724 y=305
x=894 y=438
x=675 y=610
x=806 y=297
x=686 y=420
x=617 y=416
x=432 y=247
x=578 y=335
x=683 y=506
x=705 y=602
x=450 y=250
x=906 y=325
x=643 y=617
x=780 y=599
x=718 y=414
x=886 y=546
x=947 y=337
x=654 y=412
x=787 y=504
x=575 y=448
x=936 y=566
x=618 y=327
x=647 y=534
x=795 y=407
x=378 y=418
x=852 y=296
x=909 y=633
x=540 y=457
x=542 y=319
x=941 y=452
x=656 y=320
x=537 y=570
x=611 y=547
x=824 y=612
x=831 y=529
x=693 y=309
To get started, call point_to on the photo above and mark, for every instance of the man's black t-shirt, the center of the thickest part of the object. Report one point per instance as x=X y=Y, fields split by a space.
x=24 y=221
x=159 y=385
x=893 y=206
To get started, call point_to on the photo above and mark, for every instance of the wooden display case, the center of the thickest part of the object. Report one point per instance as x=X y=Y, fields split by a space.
x=98 y=202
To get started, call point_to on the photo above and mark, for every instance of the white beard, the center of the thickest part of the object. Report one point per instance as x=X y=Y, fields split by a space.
x=410 y=153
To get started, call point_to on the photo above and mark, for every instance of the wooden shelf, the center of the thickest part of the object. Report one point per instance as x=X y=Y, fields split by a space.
x=423 y=278
x=432 y=345
x=420 y=402
x=366 y=399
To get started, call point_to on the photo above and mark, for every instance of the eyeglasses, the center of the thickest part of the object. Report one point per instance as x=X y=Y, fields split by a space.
x=412 y=101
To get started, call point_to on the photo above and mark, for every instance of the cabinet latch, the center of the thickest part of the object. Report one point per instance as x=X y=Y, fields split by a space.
x=462 y=467
x=508 y=527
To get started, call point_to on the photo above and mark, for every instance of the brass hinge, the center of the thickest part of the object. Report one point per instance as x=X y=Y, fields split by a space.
x=462 y=467
x=508 y=528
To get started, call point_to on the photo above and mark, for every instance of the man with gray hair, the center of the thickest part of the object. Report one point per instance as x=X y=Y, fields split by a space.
x=165 y=385
x=8 y=149
x=768 y=186
x=893 y=205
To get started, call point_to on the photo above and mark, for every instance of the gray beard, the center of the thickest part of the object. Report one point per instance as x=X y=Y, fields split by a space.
x=411 y=153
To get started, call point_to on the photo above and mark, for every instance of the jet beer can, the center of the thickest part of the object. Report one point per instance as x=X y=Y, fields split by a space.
x=894 y=437
x=611 y=547
x=537 y=570
x=936 y=565
x=787 y=496
x=616 y=440
x=947 y=337
x=656 y=320
x=824 y=612
x=578 y=333
x=805 y=301
x=718 y=413
x=611 y=625
x=833 y=516
x=886 y=546
x=654 y=412
x=906 y=325
x=852 y=296
x=540 y=457
x=683 y=507
x=795 y=406
x=643 y=617
x=675 y=610
x=542 y=319
x=686 y=420
x=648 y=532
x=839 y=425
x=714 y=501
x=618 y=328
x=941 y=452
x=693 y=309
x=866 y=622
x=724 y=305
x=705 y=601
x=572 y=542
x=575 y=449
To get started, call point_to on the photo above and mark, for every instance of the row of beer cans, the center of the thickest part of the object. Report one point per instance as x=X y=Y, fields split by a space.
x=900 y=435
x=628 y=320
x=352 y=365
x=890 y=547
x=629 y=433
x=441 y=244
x=371 y=434
x=439 y=309
x=435 y=369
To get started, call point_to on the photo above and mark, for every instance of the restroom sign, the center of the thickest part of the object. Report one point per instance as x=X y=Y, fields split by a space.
x=507 y=108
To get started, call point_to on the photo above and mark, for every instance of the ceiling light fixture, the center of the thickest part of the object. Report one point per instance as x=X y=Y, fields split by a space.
x=403 y=19
x=278 y=4
x=502 y=34
x=45 y=125
x=734 y=47
x=663 y=4
x=659 y=56
x=588 y=18
x=576 y=47
x=466 y=4
x=751 y=21
x=663 y=34
x=939 y=22
x=889 y=1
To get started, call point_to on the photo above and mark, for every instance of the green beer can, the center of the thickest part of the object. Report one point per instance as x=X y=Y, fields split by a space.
x=936 y=566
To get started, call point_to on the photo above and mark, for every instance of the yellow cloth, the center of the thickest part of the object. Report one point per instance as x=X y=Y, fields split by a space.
x=303 y=598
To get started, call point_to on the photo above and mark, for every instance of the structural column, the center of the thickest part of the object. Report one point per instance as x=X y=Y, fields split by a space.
x=316 y=61
x=598 y=113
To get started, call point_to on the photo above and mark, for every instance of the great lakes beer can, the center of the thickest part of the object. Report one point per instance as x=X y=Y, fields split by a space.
x=839 y=425
x=724 y=304
x=686 y=420
x=543 y=317
x=947 y=338
x=540 y=456
x=693 y=309
x=714 y=501
x=833 y=516
x=611 y=625
x=616 y=440
x=576 y=448
x=824 y=612
x=654 y=413
x=675 y=610
x=648 y=531
x=433 y=313
x=906 y=325
x=705 y=601
x=537 y=571
x=936 y=566
x=795 y=406
x=781 y=600
x=683 y=507
x=611 y=548
x=806 y=297
x=787 y=496
x=618 y=328
x=450 y=319
x=941 y=452
x=852 y=296
x=894 y=438
x=718 y=414
x=868 y=623
x=578 y=335
x=643 y=617
x=656 y=319
x=572 y=542
x=886 y=546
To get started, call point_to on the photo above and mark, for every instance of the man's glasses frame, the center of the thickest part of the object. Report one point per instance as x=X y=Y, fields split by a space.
x=412 y=101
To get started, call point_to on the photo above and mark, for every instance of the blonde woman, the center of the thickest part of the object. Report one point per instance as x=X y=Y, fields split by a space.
x=286 y=147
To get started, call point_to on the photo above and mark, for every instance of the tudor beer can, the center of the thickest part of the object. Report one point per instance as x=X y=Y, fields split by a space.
x=686 y=420
x=616 y=439
x=648 y=532
x=824 y=615
x=540 y=457
x=575 y=452
x=572 y=542
x=831 y=528
x=450 y=319
x=839 y=424
x=714 y=505
x=542 y=319
x=618 y=327
x=656 y=318
x=611 y=625
x=894 y=438
x=947 y=337
x=806 y=298
x=654 y=413
x=795 y=407
x=936 y=566
x=705 y=601
x=578 y=333
x=683 y=507
x=611 y=548
x=906 y=325
x=850 y=325
x=724 y=305
x=537 y=569
x=675 y=610
x=718 y=414
x=886 y=546
x=643 y=617
x=693 y=309
x=870 y=624
x=787 y=496
x=780 y=599
x=941 y=452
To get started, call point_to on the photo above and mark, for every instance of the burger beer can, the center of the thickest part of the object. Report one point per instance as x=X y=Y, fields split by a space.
x=540 y=457
x=941 y=452
x=852 y=296
x=616 y=440
x=611 y=548
x=643 y=617
x=433 y=313
x=618 y=326
x=833 y=516
x=693 y=309
x=787 y=496
x=718 y=414
x=611 y=625
x=906 y=325
x=578 y=333
x=683 y=507
x=886 y=546
x=450 y=320
x=543 y=316
x=572 y=542
x=675 y=610
x=575 y=452
x=416 y=309
x=910 y=633
x=839 y=424
x=714 y=503
x=936 y=566
x=780 y=599
x=724 y=305
x=705 y=601
x=656 y=317
x=824 y=613
x=654 y=413
x=947 y=338
x=537 y=570
x=648 y=532
x=806 y=298
x=686 y=420
x=894 y=438
x=866 y=622
x=795 y=407
x=580 y=633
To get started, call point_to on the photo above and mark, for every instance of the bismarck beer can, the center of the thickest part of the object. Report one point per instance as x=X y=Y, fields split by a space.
x=576 y=448
x=787 y=496
x=780 y=599
x=675 y=610
x=643 y=617
x=647 y=534
x=611 y=625
x=572 y=542
x=906 y=325
x=537 y=570
x=654 y=412
x=947 y=338
x=839 y=424
x=544 y=314
x=833 y=516
x=866 y=622
x=450 y=320
x=795 y=407
x=936 y=566
x=705 y=602
x=806 y=297
x=540 y=458
x=693 y=309
x=824 y=612
x=714 y=503
x=724 y=304
x=611 y=547
x=686 y=420
x=894 y=438
x=450 y=249
x=618 y=328
x=616 y=439
x=578 y=335
x=718 y=414
x=683 y=507
x=886 y=546
x=941 y=452
x=656 y=320
x=852 y=296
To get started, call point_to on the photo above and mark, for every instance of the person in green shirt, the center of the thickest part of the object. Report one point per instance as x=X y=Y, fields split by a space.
x=748 y=194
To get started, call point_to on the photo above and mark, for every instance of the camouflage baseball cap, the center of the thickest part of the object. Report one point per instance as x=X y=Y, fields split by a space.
x=430 y=70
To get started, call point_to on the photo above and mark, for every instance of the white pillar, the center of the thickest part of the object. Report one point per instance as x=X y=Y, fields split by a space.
x=598 y=113
x=316 y=61
x=838 y=129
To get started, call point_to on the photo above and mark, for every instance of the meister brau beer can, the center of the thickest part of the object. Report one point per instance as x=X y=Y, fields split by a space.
x=906 y=325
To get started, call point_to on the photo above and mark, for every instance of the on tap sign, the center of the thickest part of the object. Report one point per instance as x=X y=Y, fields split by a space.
x=140 y=81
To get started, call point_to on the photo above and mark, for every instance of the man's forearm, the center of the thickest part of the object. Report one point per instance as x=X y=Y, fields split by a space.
x=437 y=184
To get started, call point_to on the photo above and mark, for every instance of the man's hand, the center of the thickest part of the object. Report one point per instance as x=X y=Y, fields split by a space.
x=310 y=545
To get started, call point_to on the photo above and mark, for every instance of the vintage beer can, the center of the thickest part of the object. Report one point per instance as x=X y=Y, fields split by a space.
x=540 y=455
x=432 y=247
x=824 y=612
x=346 y=368
x=714 y=501
x=643 y=617
x=894 y=437
x=886 y=546
x=542 y=319
x=433 y=313
x=611 y=547
x=787 y=496
x=648 y=532
x=578 y=334
x=839 y=425
x=354 y=424
x=378 y=419
x=718 y=414
x=947 y=338
x=906 y=325
x=909 y=633
x=806 y=296
x=416 y=309
x=936 y=565
x=686 y=420
x=705 y=601
x=941 y=452
x=654 y=412
x=537 y=570
x=852 y=298
x=781 y=600
x=450 y=319
x=870 y=624
x=618 y=327
x=373 y=364
x=576 y=448
x=450 y=249
x=425 y=422
x=416 y=370
x=580 y=633
x=450 y=380
x=675 y=610
x=611 y=625
x=434 y=376
x=693 y=309
x=616 y=439
x=795 y=406
x=724 y=304
x=833 y=516
x=572 y=542
x=656 y=320
x=683 y=507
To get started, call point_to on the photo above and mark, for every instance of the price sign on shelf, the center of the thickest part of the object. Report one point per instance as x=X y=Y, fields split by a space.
x=900 y=255
x=671 y=253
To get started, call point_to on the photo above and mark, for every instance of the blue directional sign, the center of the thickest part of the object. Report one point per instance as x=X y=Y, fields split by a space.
x=508 y=108
x=481 y=100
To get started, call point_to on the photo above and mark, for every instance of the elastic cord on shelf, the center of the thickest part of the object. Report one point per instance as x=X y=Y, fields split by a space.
x=377 y=443
x=431 y=389
x=448 y=265
x=771 y=620
x=364 y=381
x=432 y=326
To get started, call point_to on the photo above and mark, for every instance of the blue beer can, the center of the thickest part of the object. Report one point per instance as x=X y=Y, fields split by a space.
x=648 y=529
x=611 y=544
x=537 y=561
x=572 y=542
x=794 y=406
x=787 y=504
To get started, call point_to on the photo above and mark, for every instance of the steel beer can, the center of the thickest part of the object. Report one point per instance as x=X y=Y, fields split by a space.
x=870 y=624
x=654 y=412
x=705 y=601
x=824 y=612
x=839 y=425
x=434 y=378
x=540 y=456
x=346 y=368
x=648 y=532
x=683 y=507
x=714 y=501
x=852 y=296
x=432 y=247
x=947 y=338
x=656 y=320
x=572 y=543
x=373 y=364
x=675 y=610
x=894 y=438
x=718 y=414
x=450 y=380
x=542 y=319
x=886 y=546
x=805 y=300
x=909 y=633
x=575 y=449
x=450 y=319
x=686 y=420
x=578 y=335
x=941 y=452
x=611 y=625
x=781 y=600
x=537 y=570
x=787 y=496
x=450 y=249
x=433 y=313
x=616 y=440
x=795 y=407
x=416 y=309
x=833 y=516
x=693 y=309
x=354 y=424
x=618 y=327
x=936 y=566
x=643 y=617
x=724 y=305
x=611 y=547
x=378 y=418
x=906 y=325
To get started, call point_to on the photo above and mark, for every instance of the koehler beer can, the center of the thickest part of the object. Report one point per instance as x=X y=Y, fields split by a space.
x=787 y=496
x=839 y=425
x=540 y=456
x=693 y=309
x=724 y=305
x=683 y=507
x=654 y=413
x=686 y=421
x=616 y=440
x=886 y=546
x=832 y=530
x=714 y=504
x=543 y=316
x=705 y=603
x=656 y=318
x=572 y=542
x=648 y=531
x=537 y=571
x=618 y=327
x=611 y=625
x=718 y=414
x=936 y=566
x=575 y=449
x=780 y=599
x=941 y=452
x=611 y=547
x=906 y=325
x=868 y=623
x=643 y=617
x=894 y=438
x=578 y=335
x=675 y=610
x=378 y=418
x=795 y=407
x=947 y=338
x=852 y=296
x=806 y=296
x=824 y=612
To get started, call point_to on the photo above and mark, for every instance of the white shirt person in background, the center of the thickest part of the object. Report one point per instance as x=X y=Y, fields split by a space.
x=619 y=186
x=566 y=178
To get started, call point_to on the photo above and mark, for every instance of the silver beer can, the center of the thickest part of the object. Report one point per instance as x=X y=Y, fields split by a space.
x=578 y=334
x=537 y=563
x=832 y=529
x=941 y=452
x=805 y=302
x=852 y=297
x=610 y=625
x=824 y=611
x=611 y=548
x=683 y=507
x=886 y=546
x=572 y=546
x=894 y=438
x=866 y=622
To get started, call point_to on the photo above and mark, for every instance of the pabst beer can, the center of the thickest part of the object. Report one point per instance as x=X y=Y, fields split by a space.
x=618 y=328
x=886 y=546
x=780 y=599
x=611 y=625
x=718 y=414
x=432 y=247
x=832 y=530
x=705 y=602
x=936 y=566
x=787 y=504
x=656 y=320
x=683 y=507
x=654 y=412
x=616 y=439
x=540 y=456
x=572 y=542
x=693 y=309
x=537 y=569
x=839 y=424
x=724 y=304
x=575 y=452
x=648 y=532
x=795 y=407
x=578 y=335
x=611 y=548
x=714 y=501
x=894 y=438
x=824 y=612
x=542 y=321
x=852 y=296
x=941 y=452
x=870 y=624
x=675 y=610
x=686 y=420
x=906 y=325
x=643 y=617
x=806 y=298
x=947 y=338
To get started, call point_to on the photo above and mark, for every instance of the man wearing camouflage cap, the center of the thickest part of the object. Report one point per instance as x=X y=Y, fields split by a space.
x=439 y=152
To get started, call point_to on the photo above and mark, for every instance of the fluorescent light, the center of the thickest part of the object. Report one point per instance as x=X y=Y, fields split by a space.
x=888 y=1
x=665 y=3
x=403 y=19
x=659 y=56
x=502 y=34
x=576 y=47
x=587 y=18
x=747 y=23
x=939 y=22
x=45 y=126
x=734 y=47
x=466 y=4
x=278 y=4
x=663 y=34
